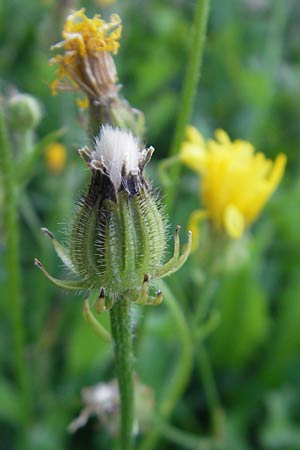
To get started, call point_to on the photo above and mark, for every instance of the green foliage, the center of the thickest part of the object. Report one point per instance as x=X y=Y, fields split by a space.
x=247 y=320
x=244 y=320
x=9 y=410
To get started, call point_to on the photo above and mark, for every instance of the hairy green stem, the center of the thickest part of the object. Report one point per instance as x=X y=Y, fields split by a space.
x=122 y=337
x=14 y=297
x=182 y=371
x=189 y=87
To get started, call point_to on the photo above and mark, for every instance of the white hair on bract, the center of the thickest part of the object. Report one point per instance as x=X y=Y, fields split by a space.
x=118 y=151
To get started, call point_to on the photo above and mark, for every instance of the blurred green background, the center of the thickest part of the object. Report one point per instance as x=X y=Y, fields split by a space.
x=250 y=86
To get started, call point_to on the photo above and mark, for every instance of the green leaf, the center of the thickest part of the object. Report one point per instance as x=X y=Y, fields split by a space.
x=9 y=402
x=244 y=319
x=85 y=347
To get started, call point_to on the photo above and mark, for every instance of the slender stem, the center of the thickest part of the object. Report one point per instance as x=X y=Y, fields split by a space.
x=204 y=367
x=182 y=371
x=189 y=86
x=202 y=325
x=185 y=439
x=121 y=334
x=26 y=169
x=210 y=389
x=14 y=297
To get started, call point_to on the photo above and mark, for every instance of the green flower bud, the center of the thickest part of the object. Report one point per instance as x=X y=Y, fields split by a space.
x=23 y=112
x=118 y=234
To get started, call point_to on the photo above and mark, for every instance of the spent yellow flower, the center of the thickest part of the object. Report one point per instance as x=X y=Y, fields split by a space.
x=236 y=182
x=86 y=63
x=55 y=156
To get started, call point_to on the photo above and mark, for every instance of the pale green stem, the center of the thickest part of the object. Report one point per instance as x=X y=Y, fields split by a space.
x=26 y=141
x=184 y=439
x=122 y=338
x=205 y=370
x=14 y=297
x=210 y=389
x=189 y=87
x=26 y=170
x=181 y=372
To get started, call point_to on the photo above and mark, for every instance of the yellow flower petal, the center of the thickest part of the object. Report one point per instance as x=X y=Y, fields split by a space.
x=278 y=170
x=82 y=103
x=83 y=53
x=194 y=137
x=222 y=136
x=192 y=156
x=234 y=222
x=236 y=182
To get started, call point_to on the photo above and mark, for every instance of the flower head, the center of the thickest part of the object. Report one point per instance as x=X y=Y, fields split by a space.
x=103 y=401
x=236 y=182
x=86 y=62
x=24 y=112
x=118 y=236
x=55 y=156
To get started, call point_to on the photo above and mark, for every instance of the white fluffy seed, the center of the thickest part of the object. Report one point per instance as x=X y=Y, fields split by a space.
x=117 y=150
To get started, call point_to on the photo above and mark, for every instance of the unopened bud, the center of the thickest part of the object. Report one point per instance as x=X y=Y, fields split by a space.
x=119 y=233
x=23 y=112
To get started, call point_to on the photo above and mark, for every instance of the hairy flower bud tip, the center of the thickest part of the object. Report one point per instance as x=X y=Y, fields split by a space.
x=38 y=263
x=47 y=233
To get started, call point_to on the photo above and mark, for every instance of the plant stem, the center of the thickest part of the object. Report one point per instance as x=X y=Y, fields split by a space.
x=14 y=297
x=121 y=334
x=182 y=371
x=189 y=87
x=185 y=439
x=210 y=389
x=205 y=370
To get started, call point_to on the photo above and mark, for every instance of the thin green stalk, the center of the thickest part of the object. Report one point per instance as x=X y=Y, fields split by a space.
x=210 y=389
x=181 y=373
x=14 y=297
x=202 y=358
x=122 y=337
x=184 y=439
x=189 y=88
x=26 y=169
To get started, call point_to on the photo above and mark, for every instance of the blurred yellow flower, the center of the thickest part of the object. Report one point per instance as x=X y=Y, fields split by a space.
x=86 y=63
x=55 y=156
x=82 y=103
x=235 y=181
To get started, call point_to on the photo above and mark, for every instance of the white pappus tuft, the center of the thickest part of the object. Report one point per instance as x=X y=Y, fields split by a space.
x=118 y=151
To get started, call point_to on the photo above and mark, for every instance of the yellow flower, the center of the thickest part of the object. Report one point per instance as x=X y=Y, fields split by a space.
x=55 y=156
x=236 y=182
x=86 y=63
